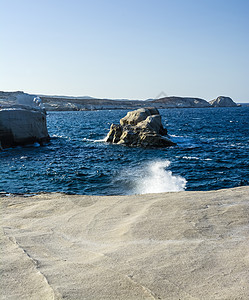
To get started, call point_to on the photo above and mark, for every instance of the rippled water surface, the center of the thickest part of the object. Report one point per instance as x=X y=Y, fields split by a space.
x=211 y=153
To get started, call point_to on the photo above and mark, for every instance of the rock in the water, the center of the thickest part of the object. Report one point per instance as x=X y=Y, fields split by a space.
x=223 y=101
x=140 y=128
x=22 y=120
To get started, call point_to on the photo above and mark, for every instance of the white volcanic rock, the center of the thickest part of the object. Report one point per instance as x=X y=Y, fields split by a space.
x=140 y=128
x=185 y=245
x=223 y=101
x=22 y=120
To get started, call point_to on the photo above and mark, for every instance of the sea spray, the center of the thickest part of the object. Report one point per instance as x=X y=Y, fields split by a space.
x=74 y=163
x=157 y=179
x=149 y=177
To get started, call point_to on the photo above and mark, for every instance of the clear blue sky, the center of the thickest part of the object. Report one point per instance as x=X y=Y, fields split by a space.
x=126 y=49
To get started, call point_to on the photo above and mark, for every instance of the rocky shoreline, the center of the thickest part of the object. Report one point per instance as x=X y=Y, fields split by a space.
x=63 y=103
x=75 y=104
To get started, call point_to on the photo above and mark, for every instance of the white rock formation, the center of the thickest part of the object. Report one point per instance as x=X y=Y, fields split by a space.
x=22 y=120
x=223 y=101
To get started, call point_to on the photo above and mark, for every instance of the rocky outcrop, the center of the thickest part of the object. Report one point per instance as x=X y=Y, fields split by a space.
x=22 y=120
x=223 y=101
x=140 y=128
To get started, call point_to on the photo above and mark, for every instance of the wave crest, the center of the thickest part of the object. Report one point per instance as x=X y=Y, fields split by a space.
x=157 y=179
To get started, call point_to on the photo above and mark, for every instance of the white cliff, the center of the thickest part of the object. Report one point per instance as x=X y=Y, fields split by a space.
x=22 y=120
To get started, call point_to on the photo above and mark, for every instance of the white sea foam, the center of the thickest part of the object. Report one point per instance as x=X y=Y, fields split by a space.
x=100 y=141
x=184 y=142
x=94 y=141
x=23 y=157
x=157 y=179
x=191 y=157
x=57 y=136
x=195 y=158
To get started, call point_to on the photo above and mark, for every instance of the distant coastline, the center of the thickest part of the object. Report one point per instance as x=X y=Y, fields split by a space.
x=64 y=103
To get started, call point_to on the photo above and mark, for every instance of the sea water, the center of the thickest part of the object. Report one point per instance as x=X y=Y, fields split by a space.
x=211 y=153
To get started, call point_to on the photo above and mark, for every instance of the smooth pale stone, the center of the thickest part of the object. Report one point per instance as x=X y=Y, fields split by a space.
x=185 y=245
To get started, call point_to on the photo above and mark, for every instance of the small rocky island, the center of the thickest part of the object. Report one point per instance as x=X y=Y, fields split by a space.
x=140 y=128
x=223 y=101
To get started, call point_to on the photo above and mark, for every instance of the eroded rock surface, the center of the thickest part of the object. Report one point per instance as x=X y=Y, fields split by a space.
x=140 y=128
x=186 y=245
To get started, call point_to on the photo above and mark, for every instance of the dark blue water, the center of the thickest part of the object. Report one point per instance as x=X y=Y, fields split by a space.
x=212 y=153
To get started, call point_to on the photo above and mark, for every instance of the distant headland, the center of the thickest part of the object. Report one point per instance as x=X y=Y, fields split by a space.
x=64 y=103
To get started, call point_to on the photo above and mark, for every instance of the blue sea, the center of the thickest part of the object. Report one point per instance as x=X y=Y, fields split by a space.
x=212 y=153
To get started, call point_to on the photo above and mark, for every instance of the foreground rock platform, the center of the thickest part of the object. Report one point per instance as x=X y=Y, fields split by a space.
x=186 y=245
